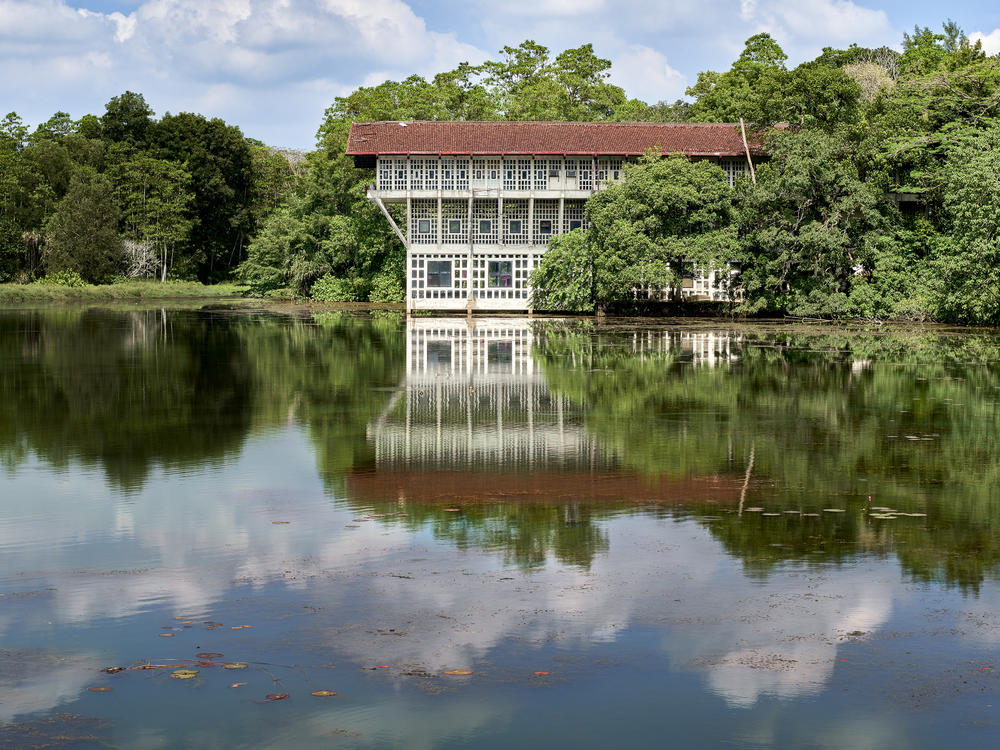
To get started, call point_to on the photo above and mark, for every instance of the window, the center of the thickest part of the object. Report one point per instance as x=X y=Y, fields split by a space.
x=485 y=227
x=515 y=227
x=494 y=174
x=454 y=227
x=571 y=173
x=501 y=274
x=438 y=273
x=545 y=226
x=575 y=225
x=499 y=356
x=424 y=226
x=438 y=355
x=553 y=173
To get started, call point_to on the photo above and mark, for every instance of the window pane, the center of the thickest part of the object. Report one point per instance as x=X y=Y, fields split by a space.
x=515 y=227
x=545 y=227
x=424 y=226
x=500 y=273
x=438 y=273
x=455 y=227
x=484 y=227
x=575 y=225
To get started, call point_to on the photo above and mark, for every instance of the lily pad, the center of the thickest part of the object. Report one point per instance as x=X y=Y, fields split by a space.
x=234 y=665
x=184 y=674
x=323 y=693
x=100 y=689
x=459 y=671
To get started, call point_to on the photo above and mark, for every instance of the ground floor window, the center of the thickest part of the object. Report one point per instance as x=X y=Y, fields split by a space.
x=501 y=273
x=438 y=273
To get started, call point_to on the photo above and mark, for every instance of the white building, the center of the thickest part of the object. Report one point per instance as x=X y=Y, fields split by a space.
x=483 y=199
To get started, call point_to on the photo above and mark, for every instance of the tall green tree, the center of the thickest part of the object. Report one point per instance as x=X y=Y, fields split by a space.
x=668 y=213
x=83 y=231
x=220 y=162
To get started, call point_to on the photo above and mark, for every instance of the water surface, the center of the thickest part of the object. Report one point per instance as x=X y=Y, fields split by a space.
x=757 y=536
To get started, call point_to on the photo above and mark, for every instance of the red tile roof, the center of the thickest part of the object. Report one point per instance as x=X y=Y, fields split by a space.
x=570 y=138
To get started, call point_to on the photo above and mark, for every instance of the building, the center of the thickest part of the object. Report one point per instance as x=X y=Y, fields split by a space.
x=483 y=199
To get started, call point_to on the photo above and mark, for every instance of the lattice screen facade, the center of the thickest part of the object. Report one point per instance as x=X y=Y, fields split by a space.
x=439 y=276
x=423 y=222
x=734 y=168
x=515 y=222
x=454 y=222
x=545 y=223
x=502 y=276
x=573 y=216
x=484 y=222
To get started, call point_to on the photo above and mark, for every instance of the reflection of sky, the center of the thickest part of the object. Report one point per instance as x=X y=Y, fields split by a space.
x=664 y=602
x=186 y=542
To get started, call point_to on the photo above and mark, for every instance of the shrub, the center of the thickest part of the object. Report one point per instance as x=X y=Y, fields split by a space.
x=329 y=288
x=386 y=287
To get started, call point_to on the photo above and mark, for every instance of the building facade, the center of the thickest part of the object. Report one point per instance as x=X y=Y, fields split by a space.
x=483 y=199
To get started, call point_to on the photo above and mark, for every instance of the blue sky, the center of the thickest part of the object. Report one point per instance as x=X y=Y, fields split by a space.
x=273 y=66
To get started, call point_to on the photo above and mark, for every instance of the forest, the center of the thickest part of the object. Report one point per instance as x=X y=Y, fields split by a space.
x=880 y=197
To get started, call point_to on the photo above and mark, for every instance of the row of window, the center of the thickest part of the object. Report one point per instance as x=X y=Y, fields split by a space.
x=486 y=226
x=455 y=173
x=499 y=274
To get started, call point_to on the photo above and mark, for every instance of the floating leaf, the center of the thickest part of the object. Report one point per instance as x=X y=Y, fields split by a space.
x=276 y=696
x=381 y=666
x=541 y=673
x=151 y=666
x=100 y=689
x=238 y=684
x=184 y=674
x=234 y=665
x=280 y=523
x=166 y=635
x=113 y=670
x=323 y=693
x=209 y=655
x=352 y=526
x=458 y=671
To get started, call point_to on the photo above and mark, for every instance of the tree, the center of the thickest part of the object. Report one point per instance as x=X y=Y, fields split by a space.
x=968 y=286
x=127 y=118
x=154 y=199
x=220 y=163
x=668 y=213
x=82 y=234
x=751 y=89
x=808 y=227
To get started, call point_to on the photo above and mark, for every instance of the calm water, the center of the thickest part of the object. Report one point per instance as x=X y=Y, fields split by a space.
x=631 y=536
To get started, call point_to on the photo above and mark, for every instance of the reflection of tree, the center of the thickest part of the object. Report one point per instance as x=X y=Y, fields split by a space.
x=819 y=409
x=121 y=390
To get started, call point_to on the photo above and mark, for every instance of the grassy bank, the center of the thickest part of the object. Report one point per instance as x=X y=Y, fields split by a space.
x=128 y=290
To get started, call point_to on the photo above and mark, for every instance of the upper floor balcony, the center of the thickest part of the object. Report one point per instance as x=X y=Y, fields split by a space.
x=398 y=178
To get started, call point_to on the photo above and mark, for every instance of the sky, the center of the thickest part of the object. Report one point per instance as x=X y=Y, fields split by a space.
x=273 y=66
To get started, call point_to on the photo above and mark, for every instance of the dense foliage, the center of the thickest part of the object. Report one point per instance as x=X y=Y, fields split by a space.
x=125 y=195
x=878 y=198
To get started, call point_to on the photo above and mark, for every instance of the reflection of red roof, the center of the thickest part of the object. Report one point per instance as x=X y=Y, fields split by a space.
x=450 y=486
x=571 y=138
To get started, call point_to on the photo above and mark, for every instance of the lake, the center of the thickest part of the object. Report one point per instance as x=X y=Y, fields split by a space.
x=246 y=528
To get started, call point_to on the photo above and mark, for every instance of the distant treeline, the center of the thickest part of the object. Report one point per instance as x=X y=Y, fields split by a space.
x=125 y=195
x=881 y=197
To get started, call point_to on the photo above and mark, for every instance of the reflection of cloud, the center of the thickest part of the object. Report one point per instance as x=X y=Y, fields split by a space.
x=40 y=681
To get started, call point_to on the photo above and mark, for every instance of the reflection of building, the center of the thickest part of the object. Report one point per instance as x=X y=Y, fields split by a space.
x=474 y=398
x=475 y=419
x=483 y=199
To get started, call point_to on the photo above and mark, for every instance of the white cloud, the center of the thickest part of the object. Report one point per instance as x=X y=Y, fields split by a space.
x=270 y=66
x=646 y=74
x=991 y=41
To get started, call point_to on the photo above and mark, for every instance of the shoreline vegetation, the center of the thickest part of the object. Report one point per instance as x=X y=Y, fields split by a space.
x=140 y=289
x=878 y=199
